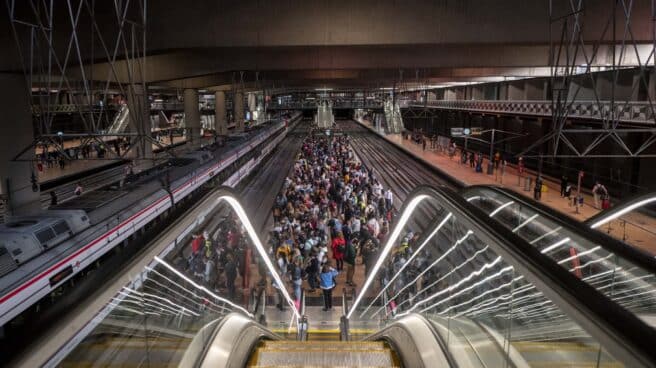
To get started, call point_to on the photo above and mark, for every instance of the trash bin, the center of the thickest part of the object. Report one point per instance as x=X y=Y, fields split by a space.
x=527 y=184
x=490 y=168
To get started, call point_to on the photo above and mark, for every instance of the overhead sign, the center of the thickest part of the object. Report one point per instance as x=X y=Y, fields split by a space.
x=476 y=130
x=457 y=132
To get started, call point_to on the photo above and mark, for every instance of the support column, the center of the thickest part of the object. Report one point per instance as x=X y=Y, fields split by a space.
x=139 y=113
x=220 y=119
x=238 y=107
x=17 y=134
x=192 y=117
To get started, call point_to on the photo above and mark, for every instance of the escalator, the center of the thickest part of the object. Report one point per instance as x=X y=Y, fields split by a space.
x=238 y=341
x=323 y=354
x=471 y=292
x=625 y=274
x=120 y=122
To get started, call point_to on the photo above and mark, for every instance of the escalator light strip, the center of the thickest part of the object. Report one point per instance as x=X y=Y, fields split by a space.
x=236 y=206
x=199 y=287
x=388 y=247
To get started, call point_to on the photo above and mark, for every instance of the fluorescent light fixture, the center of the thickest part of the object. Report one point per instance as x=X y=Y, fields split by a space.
x=555 y=245
x=414 y=255
x=323 y=89
x=526 y=222
x=386 y=250
x=500 y=208
x=245 y=221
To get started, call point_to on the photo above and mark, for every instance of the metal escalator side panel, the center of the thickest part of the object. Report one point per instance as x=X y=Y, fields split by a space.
x=620 y=209
x=477 y=344
x=416 y=343
x=621 y=333
x=231 y=344
x=585 y=229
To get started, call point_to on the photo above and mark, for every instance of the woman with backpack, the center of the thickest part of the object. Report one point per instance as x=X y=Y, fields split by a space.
x=339 y=249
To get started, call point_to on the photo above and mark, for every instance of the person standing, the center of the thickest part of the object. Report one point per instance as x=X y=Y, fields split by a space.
x=599 y=192
x=297 y=279
x=563 y=185
x=339 y=249
x=312 y=269
x=423 y=143
x=327 y=284
x=231 y=275
x=537 y=190
x=389 y=199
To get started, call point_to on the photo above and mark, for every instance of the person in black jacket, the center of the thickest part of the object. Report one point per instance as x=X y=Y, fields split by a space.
x=537 y=191
x=231 y=274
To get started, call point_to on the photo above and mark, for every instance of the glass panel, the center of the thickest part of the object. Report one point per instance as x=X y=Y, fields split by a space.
x=486 y=311
x=180 y=295
x=627 y=284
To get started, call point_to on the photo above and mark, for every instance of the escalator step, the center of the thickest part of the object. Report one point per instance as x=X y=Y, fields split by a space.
x=323 y=354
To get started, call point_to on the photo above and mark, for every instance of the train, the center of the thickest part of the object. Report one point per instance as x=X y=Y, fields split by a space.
x=25 y=237
x=38 y=270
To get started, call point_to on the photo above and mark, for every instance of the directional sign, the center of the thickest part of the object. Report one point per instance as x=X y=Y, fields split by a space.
x=476 y=130
x=457 y=132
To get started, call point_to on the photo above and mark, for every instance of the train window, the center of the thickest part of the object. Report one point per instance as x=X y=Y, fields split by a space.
x=45 y=235
x=61 y=227
x=15 y=252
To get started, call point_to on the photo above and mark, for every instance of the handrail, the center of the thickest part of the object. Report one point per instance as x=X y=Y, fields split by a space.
x=232 y=341
x=410 y=337
x=614 y=245
x=343 y=319
x=622 y=333
x=626 y=206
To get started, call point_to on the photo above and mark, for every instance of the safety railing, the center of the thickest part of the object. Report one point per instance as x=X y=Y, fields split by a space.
x=627 y=111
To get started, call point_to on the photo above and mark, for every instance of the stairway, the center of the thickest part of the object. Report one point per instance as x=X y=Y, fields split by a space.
x=285 y=353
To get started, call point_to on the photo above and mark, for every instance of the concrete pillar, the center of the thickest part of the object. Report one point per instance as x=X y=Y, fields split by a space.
x=238 y=107
x=192 y=117
x=139 y=110
x=220 y=118
x=17 y=134
x=252 y=102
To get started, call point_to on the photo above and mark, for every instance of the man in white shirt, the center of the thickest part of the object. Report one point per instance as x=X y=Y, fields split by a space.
x=389 y=199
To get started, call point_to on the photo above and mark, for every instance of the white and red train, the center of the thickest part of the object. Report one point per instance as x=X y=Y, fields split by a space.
x=37 y=276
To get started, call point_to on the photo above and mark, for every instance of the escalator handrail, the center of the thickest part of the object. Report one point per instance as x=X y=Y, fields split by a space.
x=414 y=337
x=239 y=349
x=630 y=253
x=631 y=204
x=622 y=333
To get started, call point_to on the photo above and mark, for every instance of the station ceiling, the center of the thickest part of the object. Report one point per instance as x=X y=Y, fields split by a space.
x=362 y=44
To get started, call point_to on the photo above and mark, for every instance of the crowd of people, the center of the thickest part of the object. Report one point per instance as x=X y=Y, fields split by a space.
x=331 y=210
x=216 y=260
x=48 y=158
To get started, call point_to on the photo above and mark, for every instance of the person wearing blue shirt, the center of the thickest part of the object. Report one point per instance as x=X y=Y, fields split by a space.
x=327 y=284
